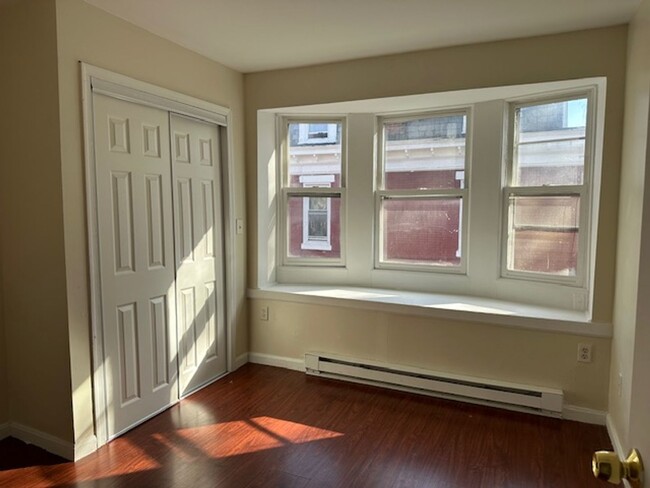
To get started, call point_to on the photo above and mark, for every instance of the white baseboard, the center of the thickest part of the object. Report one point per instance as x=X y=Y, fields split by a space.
x=277 y=361
x=84 y=448
x=43 y=440
x=240 y=361
x=585 y=415
x=4 y=430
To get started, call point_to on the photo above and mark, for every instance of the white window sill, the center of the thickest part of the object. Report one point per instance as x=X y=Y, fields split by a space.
x=453 y=307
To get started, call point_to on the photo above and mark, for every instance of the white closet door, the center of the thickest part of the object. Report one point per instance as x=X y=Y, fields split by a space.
x=199 y=251
x=135 y=225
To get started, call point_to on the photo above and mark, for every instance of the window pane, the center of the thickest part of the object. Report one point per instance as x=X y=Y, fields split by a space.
x=314 y=227
x=425 y=153
x=317 y=227
x=314 y=151
x=549 y=147
x=317 y=203
x=543 y=234
x=550 y=163
x=422 y=231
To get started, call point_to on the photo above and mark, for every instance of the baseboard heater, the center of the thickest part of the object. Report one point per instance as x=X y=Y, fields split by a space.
x=547 y=401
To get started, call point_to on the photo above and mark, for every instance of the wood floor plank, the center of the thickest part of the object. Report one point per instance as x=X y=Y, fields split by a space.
x=268 y=427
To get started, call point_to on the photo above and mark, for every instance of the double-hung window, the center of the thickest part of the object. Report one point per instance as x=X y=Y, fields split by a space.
x=313 y=185
x=421 y=192
x=546 y=195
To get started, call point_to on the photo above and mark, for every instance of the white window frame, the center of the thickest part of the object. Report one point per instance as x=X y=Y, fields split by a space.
x=308 y=191
x=584 y=191
x=308 y=242
x=382 y=194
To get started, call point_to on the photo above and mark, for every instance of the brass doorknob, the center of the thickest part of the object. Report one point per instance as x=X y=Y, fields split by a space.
x=608 y=467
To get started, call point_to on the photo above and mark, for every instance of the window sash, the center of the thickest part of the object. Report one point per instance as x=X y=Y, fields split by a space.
x=283 y=144
x=312 y=192
x=506 y=272
x=381 y=263
x=381 y=139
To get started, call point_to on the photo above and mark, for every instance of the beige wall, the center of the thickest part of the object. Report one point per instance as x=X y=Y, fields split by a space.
x=631 y=313
x=88 y=34
x=546 y=359
x=475 y=349
x=4 y=397
x=33 y=259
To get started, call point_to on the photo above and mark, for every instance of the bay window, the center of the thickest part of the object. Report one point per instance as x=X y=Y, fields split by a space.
x=491 y=193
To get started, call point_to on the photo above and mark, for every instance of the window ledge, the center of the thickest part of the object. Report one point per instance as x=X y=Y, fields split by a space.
x=452 y=307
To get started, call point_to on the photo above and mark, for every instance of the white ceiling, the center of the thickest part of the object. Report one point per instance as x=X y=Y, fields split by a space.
x=257 y=35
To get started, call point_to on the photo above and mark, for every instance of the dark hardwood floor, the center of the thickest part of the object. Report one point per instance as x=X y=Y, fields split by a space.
x=268 y=427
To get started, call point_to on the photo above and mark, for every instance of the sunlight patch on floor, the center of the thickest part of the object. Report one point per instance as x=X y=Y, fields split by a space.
x=242 y=437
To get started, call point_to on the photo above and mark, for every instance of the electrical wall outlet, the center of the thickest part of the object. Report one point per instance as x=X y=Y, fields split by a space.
x=584 y=353
x=239 y=226
x=264 y=313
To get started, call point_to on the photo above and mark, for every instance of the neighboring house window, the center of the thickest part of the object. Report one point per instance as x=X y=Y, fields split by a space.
x=317 y=133
x=546 y=193
x=421 y=191
x=316 y=216
x=313 y=186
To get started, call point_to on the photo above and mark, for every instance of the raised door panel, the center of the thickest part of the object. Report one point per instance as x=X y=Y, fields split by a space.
x=184 y=220
x=129 y=353
x=123 y=237
x=155 y=222
x=160 y=341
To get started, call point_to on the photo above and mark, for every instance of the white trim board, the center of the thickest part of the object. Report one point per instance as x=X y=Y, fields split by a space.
x=240 y=361
x=569 y=412
x=277 y=361
x=43 y=440
x=584 y=415
x=118 y=86
x=132 y=90
x=84 y=448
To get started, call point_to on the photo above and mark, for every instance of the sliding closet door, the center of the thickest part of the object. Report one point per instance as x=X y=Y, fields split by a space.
x=199 y=251
x=135 y=226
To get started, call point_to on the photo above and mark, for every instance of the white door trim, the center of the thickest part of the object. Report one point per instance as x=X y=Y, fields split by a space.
x=99 y=80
